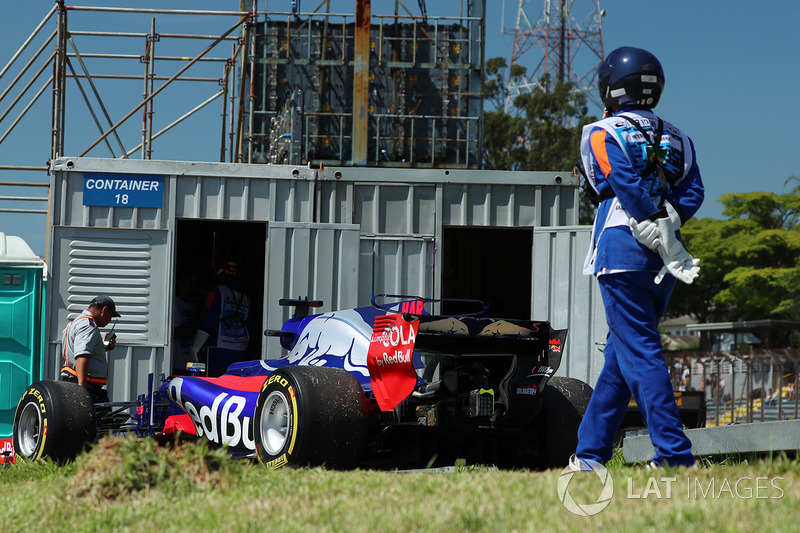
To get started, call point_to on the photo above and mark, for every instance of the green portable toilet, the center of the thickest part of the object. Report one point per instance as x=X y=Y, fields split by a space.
x=22 y=288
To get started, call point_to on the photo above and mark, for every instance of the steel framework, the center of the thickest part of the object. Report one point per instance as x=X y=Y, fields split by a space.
x=243 y=82
x=558 y=45
x=66 y=62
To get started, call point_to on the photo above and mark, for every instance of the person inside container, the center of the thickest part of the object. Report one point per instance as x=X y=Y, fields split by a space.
x=226 y=319
x=85 y=360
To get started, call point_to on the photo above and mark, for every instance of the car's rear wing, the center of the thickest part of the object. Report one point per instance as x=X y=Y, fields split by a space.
x=534 y=347
x=472 y=335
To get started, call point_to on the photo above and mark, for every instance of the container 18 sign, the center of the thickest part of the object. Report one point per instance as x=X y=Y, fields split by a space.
x=123 y=190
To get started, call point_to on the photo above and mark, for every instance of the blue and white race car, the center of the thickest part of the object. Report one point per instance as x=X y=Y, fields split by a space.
x=388 y=384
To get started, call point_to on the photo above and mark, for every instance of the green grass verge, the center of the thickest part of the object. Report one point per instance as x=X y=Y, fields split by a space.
x=132 y=485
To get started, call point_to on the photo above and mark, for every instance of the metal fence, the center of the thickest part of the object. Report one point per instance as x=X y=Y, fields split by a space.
x=741 y=385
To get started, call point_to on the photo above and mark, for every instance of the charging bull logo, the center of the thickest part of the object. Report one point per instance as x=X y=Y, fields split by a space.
x=555 y=345
x=339 y=339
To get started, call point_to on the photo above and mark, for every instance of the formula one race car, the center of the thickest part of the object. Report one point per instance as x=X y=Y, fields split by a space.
x=388 y=384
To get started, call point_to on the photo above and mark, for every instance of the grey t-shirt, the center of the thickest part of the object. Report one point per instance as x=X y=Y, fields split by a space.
x=82 y=339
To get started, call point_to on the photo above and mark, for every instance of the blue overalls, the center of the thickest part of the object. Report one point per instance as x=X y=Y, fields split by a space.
x=618 y=161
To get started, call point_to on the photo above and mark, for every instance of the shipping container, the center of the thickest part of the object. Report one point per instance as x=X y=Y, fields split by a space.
x=133 y=228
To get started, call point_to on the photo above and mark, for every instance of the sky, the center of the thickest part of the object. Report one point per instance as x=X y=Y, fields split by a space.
x=732 y=76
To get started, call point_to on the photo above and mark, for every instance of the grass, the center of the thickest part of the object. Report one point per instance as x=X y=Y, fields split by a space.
x=132 y=485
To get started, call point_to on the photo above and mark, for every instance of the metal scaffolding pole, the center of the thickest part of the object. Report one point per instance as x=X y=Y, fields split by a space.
x=225 y=81
x=167 y=83
x=138 y=57
x=28 y=65
x=232 y=110
x=25 y=89
x=89 y=105
x=138 y=77
x=28 y=40
x=58 y=83
x=149 y=72
x=156 y=11
x=27 y=108
x=177 y=121
x=139 y=35
x=251 y=102
x=95 y=91
x=245 y=52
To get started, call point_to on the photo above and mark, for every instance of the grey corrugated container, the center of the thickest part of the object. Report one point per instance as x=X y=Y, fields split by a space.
x=335 y=234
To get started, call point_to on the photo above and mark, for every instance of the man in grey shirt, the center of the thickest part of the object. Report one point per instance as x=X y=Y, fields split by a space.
x=84 y=360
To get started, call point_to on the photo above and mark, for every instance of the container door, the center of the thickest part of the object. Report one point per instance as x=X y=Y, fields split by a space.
x=568 y=299
x=20 y=337
x=309 y=259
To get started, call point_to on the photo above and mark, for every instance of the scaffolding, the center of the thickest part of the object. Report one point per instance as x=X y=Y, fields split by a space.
x=315 y=87
x=34 y=71
x=421 y=78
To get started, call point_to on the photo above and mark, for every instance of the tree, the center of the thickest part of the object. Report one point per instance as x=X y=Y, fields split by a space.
x=750 y=263
x=543 y=130
x=503 y=134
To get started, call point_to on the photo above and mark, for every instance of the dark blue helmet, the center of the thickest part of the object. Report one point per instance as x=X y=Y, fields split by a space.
x=630 y=76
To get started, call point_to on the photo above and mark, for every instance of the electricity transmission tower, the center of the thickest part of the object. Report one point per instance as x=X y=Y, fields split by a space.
x=557 y=43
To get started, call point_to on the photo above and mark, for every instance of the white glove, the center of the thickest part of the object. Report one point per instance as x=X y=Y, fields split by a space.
x=646 y=232
x=686 y=270
x=674 y=217
x=677 y=261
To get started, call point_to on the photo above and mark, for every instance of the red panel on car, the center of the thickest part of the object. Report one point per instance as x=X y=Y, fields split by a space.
x=240 y=383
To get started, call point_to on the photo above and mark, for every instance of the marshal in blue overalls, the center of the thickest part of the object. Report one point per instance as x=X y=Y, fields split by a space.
x=643 y=171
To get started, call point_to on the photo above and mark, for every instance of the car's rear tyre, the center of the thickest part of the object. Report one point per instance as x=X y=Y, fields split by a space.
x=564 y=402
x=312 y=416
x=54 y=419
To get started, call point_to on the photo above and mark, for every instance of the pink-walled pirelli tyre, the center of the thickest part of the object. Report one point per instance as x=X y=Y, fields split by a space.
x=564 y=402
x=54 y=419
x=308 y=415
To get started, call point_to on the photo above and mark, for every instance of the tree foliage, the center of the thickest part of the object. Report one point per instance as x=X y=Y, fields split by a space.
x=750 y=263
x=541 y=132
